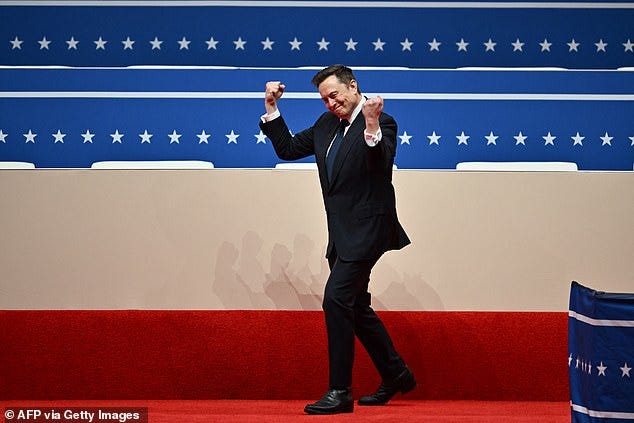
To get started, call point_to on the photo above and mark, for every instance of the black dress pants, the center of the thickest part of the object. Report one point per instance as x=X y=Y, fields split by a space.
x=348 y=313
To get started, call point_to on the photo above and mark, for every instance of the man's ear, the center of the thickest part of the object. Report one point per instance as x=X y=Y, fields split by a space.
x=353 y=85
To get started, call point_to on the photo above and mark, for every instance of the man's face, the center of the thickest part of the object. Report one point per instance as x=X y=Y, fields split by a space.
x=339 y=98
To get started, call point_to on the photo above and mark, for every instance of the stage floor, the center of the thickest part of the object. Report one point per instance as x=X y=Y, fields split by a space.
x=397 y=411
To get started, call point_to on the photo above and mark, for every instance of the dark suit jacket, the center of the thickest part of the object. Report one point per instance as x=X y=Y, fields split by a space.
x=360 y=201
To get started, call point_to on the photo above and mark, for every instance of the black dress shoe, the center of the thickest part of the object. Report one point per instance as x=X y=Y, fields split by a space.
x=334 y=402
x=404 y=382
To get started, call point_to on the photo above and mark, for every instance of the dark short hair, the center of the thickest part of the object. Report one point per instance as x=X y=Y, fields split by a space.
x=343 y=73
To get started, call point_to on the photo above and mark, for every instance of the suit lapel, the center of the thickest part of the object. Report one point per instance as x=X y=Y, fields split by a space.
x=323 y=138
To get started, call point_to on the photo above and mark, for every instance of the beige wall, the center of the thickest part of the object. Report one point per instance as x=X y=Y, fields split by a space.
x=254 y=239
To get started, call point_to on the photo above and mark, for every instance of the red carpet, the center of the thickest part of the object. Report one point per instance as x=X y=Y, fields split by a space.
x=272 y=355
x=399 y=411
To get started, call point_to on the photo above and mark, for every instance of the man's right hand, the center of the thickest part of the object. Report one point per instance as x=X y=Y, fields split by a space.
x=274 y=90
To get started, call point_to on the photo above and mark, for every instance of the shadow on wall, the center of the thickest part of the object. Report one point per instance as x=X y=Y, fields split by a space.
x=241 y=282
x=403 y=291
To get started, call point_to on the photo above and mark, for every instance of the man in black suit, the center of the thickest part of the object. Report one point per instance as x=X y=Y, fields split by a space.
x=354 y=144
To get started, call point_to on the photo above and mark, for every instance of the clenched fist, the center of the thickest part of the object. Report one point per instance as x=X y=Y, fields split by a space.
x=373 y=107
x=274 y=91
x=371 y=110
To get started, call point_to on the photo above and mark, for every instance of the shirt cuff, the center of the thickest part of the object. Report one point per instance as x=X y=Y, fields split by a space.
x=372 y=139
x=270 y=116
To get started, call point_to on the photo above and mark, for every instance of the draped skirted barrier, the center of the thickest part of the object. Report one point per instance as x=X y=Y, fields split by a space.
x=601 y=342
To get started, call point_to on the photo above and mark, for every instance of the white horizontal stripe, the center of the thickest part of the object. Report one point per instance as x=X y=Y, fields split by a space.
x=307 y=95
x=602 y=414
x=138 y=94
x=328 y=4
x=599 y=322
x=498 y=96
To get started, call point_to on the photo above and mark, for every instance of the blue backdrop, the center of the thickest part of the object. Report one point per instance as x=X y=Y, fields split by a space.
x=447 y=34
x=74 y=117
x=101 y=109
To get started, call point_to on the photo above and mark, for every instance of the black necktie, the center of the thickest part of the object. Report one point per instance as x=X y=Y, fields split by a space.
x=334 y=147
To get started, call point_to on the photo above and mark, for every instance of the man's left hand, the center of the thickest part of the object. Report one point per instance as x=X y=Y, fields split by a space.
x=371 y=110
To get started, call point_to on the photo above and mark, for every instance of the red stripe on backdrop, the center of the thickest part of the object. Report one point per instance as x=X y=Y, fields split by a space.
x=179 y=354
